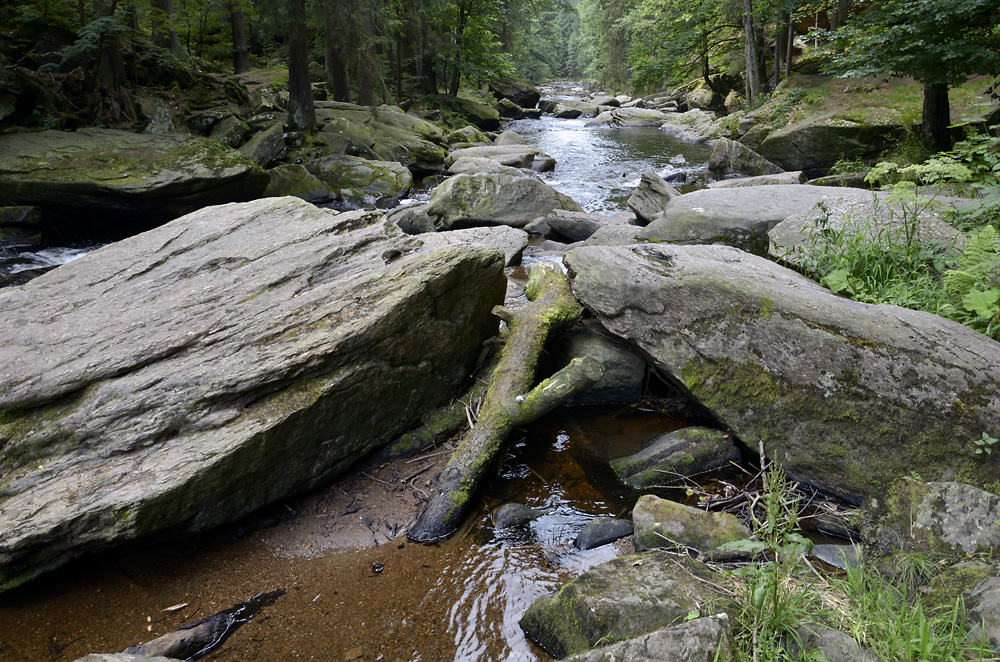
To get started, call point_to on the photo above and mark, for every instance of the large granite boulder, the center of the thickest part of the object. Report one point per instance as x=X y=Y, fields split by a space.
x=846 y=396
x=295 y=180
x=650 y=198
x=184 y=377
x=267 y=146
x=864 y=214
x=509 y=87
x=696 y=125
x=469 y=200
x=816 y=143
x=732 y=158
x=391 y=134
x=740 y=217
x=625 y=597
x=116 y=177
x=480 y=114
x=475 y=165
x=357 y=179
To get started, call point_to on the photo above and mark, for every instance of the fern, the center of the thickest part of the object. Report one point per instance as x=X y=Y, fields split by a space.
x=978 y=265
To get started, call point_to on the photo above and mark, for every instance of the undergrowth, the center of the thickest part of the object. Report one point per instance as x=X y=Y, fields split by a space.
x=890 y=263
x=882 y=614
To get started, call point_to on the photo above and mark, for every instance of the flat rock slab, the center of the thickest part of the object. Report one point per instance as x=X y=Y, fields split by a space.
x=109 y=175
x=847 y=396
x=189 y=375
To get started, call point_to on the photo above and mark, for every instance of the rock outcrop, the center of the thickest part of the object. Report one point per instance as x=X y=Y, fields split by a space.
x=846 y=396
x=266 y=347
x=122 y=179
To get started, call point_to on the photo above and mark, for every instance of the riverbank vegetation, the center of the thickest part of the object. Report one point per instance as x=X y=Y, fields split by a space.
x=787 y=603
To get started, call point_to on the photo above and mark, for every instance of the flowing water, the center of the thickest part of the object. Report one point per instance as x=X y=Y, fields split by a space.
x=600 y=167
x=460 y=599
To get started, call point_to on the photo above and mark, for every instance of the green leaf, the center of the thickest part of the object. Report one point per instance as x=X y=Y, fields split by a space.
x=982 y=303
x=838 y=281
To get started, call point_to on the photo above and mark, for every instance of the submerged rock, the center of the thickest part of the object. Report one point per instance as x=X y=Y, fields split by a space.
x=672 y=456
x=848 y=396
x=515 y=514
x=115 y=177
x=601 y=531
x=662 y=523
x=625 y=597
x=267 y=346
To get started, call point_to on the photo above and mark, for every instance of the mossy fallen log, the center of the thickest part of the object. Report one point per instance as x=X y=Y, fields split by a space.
x=511 y=399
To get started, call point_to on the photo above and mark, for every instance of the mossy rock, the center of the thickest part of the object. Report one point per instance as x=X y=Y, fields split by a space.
x=662 y=523
x=625 y=597
x=118 y=176
x=480 y=114
x=816 y=143
x=295 y=180
x=672 y=456
x=942 y=518
x=355 y=177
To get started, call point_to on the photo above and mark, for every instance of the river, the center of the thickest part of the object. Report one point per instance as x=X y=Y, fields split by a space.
x=391 y=600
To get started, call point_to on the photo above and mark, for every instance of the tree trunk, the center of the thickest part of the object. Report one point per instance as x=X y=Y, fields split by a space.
x=456 y=67
x=936 y=118
x=163 y=32
x=301 y=110
x=510 y=400
x=790 y=45
x=428 y=76
x=782 y=53
x=338 y=79
x=754 y=87
x=843 y=7
x=241 y=54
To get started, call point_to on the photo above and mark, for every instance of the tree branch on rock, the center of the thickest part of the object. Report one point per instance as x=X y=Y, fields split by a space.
x=511 y=399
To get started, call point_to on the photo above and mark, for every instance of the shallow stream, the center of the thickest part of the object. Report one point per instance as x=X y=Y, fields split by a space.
x=392 y=600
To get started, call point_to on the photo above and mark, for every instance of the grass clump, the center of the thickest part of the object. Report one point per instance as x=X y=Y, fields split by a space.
x=881 y=613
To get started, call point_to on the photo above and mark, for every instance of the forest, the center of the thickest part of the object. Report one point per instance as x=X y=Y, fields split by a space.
x=385 y=51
